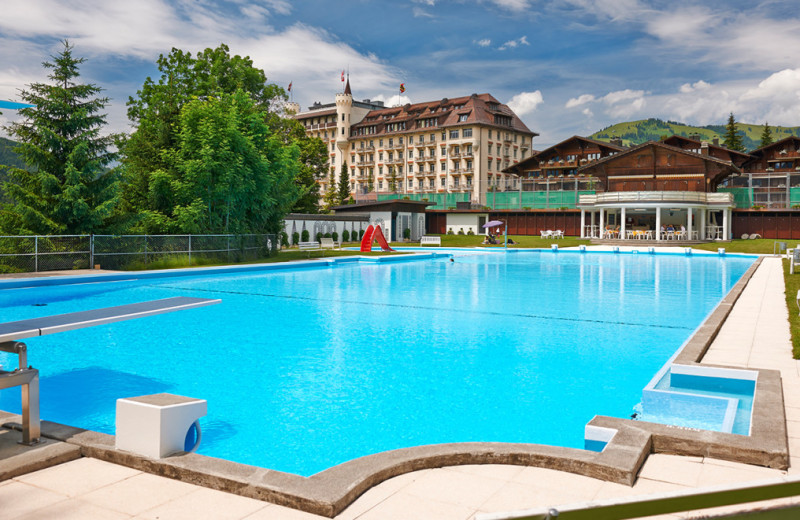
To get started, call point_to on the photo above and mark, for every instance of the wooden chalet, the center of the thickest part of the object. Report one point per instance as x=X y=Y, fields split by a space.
x=564 y=158
x=655 y=185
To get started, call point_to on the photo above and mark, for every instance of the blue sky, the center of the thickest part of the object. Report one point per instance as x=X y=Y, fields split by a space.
x=566 y=66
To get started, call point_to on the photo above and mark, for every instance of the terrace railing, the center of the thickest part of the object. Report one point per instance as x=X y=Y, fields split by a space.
x=657 y=196
x=36 y=253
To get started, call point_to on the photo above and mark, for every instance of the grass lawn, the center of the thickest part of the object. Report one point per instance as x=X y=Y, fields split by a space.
x=792 y=286
x=759 y=246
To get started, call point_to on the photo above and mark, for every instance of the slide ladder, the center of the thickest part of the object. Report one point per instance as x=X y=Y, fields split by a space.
x=374 y=233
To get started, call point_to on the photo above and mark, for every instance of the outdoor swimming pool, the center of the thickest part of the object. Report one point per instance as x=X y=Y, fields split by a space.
x=307 y=368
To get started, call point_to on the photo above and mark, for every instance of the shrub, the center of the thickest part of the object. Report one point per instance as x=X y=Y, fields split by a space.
x=327 y=235
x=318 y=237
x=461 y=231
x=284 y=239
x=406 y=233
x=304 y=236
x=335 y=236
x=295 y=238
x=345 y=236
x=361 y=234
x=470 y=232
x=450 y=231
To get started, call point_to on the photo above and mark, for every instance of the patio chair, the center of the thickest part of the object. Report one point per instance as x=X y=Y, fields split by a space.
x=558 y=234
x=546 y=234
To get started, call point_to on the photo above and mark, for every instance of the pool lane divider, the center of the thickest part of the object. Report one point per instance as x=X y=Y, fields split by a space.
x=626 y=445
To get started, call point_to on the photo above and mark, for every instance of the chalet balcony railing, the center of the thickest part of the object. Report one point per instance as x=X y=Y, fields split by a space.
x=657 y=196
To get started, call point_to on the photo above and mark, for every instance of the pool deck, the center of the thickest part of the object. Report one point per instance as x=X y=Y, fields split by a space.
x=755 y=335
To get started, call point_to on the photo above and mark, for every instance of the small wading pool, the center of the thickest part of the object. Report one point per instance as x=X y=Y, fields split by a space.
x=308 y=367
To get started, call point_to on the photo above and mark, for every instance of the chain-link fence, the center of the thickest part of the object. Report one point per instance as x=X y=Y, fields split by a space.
x=48 y=253
x=21 y=254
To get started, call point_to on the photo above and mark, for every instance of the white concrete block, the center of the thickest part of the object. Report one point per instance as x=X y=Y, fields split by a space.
x=156 y=425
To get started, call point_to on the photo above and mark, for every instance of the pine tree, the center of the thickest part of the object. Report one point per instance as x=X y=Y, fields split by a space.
x=66 y=188
x=344 y=185
x=331 y=194
x=766 y=136
x=733 y=140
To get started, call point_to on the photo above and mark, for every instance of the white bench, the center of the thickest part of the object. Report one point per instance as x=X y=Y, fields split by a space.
x=794 y=260
x=309 y=247
x=430 y=241
x=328 y=243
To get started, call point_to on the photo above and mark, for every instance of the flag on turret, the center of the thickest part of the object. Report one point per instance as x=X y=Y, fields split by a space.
x=402 y=87
x=290 y=87
x=342 y=76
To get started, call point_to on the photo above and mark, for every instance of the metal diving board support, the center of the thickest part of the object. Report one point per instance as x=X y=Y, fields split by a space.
x=27 y=377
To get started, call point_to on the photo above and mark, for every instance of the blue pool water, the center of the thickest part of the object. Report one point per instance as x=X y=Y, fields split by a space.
x=307 y=368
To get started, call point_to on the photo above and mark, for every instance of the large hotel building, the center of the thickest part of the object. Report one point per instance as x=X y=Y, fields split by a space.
x=421 y=150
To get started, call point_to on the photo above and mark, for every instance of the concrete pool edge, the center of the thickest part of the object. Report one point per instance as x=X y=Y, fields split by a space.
x=332 y=490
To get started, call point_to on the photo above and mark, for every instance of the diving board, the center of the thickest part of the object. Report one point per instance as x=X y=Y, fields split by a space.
x=27 y=377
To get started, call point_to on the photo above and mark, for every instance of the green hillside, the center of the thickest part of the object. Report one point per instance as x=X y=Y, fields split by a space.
x=638 y=132
x=7 y=155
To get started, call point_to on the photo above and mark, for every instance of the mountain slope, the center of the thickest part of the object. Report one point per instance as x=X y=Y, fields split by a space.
x=638 y=132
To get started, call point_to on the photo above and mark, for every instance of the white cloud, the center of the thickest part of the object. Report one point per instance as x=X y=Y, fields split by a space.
x=482 y=43
x=512 y=5
x=613 y=98
x=580 y=100
x=511 y=44
x=587 y=112
x=691 y=87
x=392 y=101
x=526 y=102
x=419 y=12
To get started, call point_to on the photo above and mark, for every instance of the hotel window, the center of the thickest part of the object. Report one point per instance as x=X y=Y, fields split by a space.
x=498 y=149
x=371 y=171
x=515 y=138
x=490 y=164
x=490 y=134
x=444 y=136
x=432 y=183
x=326 y=134
x=380 y=156
x=380 y=185
x=469 y=164
x=390 y=156
x=453 y=134
x=421 y=139
x=433 y=138
x=462 y=118
x=455 y=182
x=467 y=132
x=400 y=170
x=444 y=166
x=399 y=140
x=390 y=142
x=442 y=181
x=468 y=149
x=342 y=117
x=444 y=151
x=432 y=168
x=380 y=142
x=411 y=154
x=410 y=168
x=399 y=155
x=515 y=153
x=410 y=183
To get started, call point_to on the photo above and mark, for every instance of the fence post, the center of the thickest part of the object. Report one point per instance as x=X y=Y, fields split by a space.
x=145 y=249
x=91 y=251
x=36 y=254
x=190 y=250
x=229 y=248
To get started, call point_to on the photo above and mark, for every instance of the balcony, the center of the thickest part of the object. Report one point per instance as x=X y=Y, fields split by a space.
x=321 y=126
x=455 y=155
x=628 y=197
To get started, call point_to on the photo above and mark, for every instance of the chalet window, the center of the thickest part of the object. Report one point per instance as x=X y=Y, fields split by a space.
x=784 y=165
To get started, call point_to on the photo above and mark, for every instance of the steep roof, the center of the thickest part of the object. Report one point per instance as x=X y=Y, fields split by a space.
x=482 y=109
x=677 y=140
x=657 y=144
x=787 y=141
x=534 y=159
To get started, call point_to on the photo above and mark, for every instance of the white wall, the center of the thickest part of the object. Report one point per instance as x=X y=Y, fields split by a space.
x=467 y=221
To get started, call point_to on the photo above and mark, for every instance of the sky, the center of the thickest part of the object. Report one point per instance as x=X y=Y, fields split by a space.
x=566 y=67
